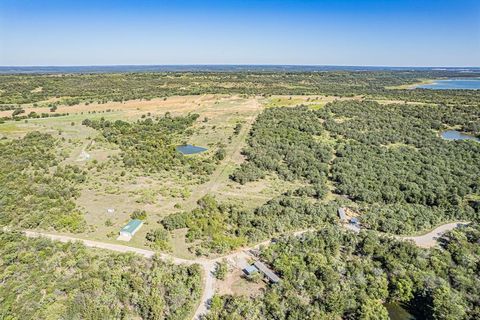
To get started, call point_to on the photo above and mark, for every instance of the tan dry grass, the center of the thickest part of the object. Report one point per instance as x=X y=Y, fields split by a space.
x=235 y=284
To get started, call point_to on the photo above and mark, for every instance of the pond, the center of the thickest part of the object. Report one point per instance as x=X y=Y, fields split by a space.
x=397 y=312
x=190 y=149
x=457 y=135
x=455 y=84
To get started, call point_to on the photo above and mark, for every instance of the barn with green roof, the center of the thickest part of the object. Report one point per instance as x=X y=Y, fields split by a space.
x=131 y=228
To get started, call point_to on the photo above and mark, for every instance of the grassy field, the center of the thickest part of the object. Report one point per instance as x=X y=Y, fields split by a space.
x=113 y=192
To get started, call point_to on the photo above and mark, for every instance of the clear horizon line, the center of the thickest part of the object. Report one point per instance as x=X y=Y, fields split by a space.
x=235 y=64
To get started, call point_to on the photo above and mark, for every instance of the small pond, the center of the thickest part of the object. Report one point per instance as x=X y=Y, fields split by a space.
x=457 y=135
x=453 y=84
x=397 y=312
x=190 y=149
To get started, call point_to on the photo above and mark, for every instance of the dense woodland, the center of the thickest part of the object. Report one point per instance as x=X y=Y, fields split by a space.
x=150 y=144
x=41 y=279
x=391 y=160
x=334 y=273
x=71 y=89
x=283 y=140
x=35 y=190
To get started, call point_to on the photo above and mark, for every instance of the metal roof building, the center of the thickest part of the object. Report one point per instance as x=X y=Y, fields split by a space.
x=341 y=214
x=266 y=271
x=131 y=228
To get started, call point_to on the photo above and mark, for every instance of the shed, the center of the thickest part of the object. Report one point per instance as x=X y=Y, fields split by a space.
x=342 y=214
x=131 y=228
x=266 y=271
x=250 y=270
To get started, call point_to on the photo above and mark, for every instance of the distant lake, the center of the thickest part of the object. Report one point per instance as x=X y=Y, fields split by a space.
x=189 y=149
x=457 y=135
x=460 y=83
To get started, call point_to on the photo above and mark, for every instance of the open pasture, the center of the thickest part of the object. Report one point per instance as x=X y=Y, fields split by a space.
x=113 y=192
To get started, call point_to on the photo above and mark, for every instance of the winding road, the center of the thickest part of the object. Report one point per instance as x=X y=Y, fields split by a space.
x=429 y=240
x=208 y=265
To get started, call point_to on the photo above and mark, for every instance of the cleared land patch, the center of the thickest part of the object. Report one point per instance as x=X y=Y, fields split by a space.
x=111 y=193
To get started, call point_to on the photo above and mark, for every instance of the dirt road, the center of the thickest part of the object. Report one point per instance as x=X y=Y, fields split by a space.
x=109 y=246
x=208 y=290
x=430 y=239
x=233 y=156
x=208 y=265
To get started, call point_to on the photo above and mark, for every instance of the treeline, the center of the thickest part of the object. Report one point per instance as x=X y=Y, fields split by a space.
x=334 y=274
x=453 y=97
x=35 y=190
x=42 y=279
x=432 y=177
x=391 y=160
x=150 y=144
x=371 y=123
x=20 y=115
x=75 y=88
x=220 y=227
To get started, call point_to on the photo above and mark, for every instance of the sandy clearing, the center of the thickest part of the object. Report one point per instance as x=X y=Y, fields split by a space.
x=236 y=284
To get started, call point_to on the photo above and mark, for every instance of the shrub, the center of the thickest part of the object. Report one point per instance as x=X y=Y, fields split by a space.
x=139 y=214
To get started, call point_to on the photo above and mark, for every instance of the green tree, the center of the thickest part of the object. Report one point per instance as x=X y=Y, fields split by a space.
x=447 y=305
x=373 y=310
x=139 y=214
x=220 y=154
x=221 y=270
x=158 y=239
x=402 y=289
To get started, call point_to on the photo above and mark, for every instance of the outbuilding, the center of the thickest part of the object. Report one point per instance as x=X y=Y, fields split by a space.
x=341 y=214
x=267 y=272
x=131 y=228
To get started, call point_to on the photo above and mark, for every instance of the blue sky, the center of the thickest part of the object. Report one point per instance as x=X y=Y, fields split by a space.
x=329 y=32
